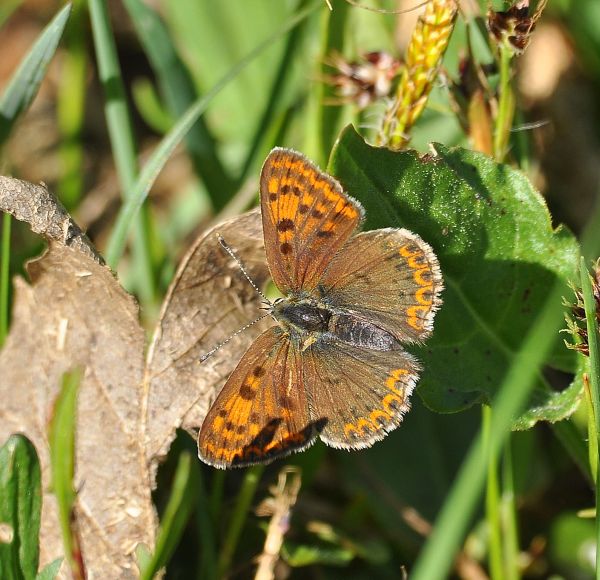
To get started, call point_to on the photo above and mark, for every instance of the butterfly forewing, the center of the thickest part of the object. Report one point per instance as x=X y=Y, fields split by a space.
x=256 y=416
x=306 y=216
x=363 y=394
x=390 y=277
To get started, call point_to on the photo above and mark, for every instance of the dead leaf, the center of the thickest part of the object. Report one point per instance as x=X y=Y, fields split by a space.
x=74 y=313
x=208 y=300
x=35 y=205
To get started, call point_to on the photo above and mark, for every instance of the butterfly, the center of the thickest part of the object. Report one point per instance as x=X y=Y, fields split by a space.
x=332 y=366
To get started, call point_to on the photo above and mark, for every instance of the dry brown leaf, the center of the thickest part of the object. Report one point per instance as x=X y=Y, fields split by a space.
x=45 y=215
x=209 y=299
x=74 y=313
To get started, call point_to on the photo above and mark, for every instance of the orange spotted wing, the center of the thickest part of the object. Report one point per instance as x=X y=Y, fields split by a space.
x=306 y=216
x=261 y=413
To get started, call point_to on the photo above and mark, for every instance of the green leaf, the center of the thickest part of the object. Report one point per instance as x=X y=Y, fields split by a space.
x=62 y=459
x=50 y=572
x=557 y=405
x=497 y=249
x=26 y=81
x=20 y=508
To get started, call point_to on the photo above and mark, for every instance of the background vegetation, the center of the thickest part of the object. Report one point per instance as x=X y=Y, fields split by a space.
x=97 y=102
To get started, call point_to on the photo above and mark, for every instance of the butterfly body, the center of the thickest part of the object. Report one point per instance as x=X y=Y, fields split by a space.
x=311 y=321
x=333 y=364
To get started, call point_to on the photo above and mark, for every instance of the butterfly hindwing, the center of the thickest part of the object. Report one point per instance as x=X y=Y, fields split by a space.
x=390 y=277
x=256 y=418
x=360 y=394
x=306 y=216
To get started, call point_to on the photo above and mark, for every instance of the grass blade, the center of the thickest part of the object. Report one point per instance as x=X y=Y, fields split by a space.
x=278 y=86
x=328 y=116
x=122 y=140
x=71 y=97
x=163 y=151
x=178 y=90
x=437 y=556
x=50 y=572
x=26 y=81
x=62 y=460
x=240 y=513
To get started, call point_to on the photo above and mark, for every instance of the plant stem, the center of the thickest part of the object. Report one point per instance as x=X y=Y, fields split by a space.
x=121 y=138
x=492 y=504
x=506 y=106
x=240 y=513
x=594 y=380
x=4 y=276
x=509 y=516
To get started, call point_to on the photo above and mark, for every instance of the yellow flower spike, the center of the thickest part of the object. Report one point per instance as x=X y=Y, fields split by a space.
x=423 y=58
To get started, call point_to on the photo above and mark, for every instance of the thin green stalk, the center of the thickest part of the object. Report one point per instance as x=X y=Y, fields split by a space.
x=71 y=106
x=506 y=106
x=165 y=148
x=334 y=34
x=240 y=513
x=207 y=555
x=509 y=516
x=492 y=504
x=216 y=494
x=278 y=86
x=452 y=523
x=181 y=502
x=61 y=439
x=594 y=379
x=504 y=121
x=121 y=138
x=591 y=431
x=4 y=276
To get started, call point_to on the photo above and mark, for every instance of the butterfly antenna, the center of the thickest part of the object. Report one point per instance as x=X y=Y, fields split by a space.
x=238 y=331
x=241 y=266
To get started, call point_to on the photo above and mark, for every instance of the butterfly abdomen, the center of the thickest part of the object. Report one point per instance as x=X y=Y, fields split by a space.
x=359 y=332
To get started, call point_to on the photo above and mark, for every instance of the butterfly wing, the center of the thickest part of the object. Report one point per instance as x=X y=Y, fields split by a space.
x=389 y=277
x=261 y=413
x=306 y=216
x=360 y=394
